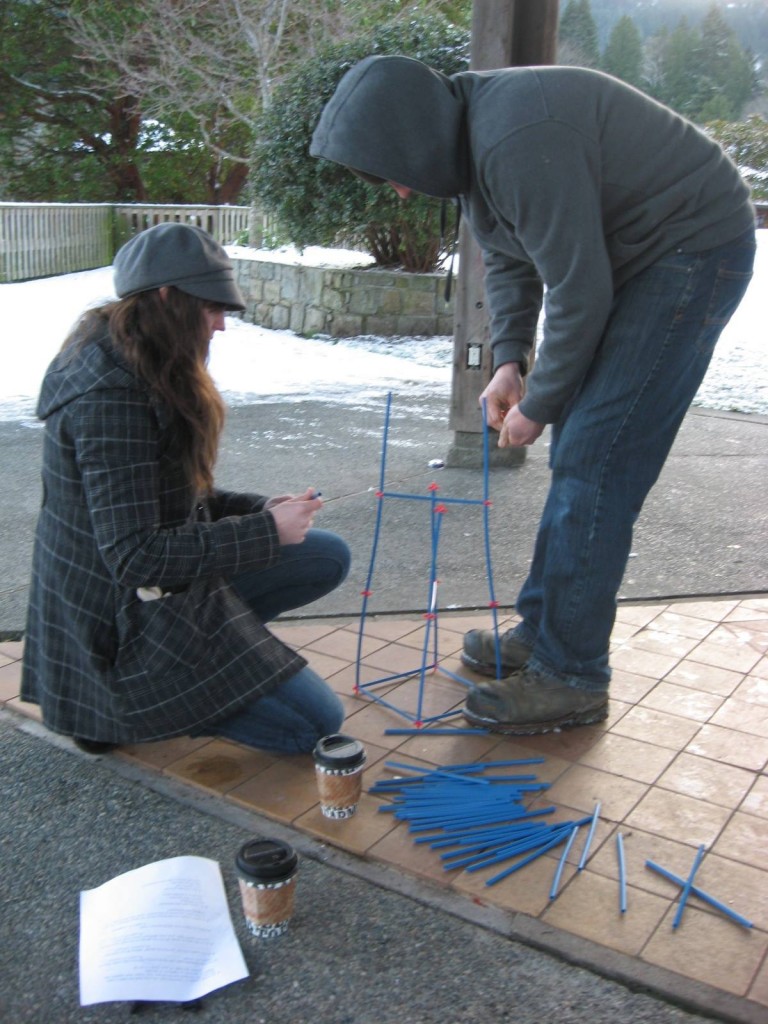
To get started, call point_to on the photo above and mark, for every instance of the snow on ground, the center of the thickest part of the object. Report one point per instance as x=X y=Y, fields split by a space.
x=251 y=364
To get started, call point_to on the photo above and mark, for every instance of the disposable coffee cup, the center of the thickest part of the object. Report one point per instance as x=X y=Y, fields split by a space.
x=267 y=870
x=339 y=763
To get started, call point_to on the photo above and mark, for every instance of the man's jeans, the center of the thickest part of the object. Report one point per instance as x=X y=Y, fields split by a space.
x=291 y=718
x=609 y=447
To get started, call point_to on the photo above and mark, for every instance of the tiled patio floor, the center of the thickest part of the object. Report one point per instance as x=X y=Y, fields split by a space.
x=681 y=761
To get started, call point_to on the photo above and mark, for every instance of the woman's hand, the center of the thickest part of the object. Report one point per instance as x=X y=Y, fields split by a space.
x=294 y=515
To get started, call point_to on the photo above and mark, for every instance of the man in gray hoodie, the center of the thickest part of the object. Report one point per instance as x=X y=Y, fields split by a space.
x=636 y=233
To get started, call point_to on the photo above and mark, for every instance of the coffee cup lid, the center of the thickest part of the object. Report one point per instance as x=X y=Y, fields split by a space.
x=266 y=860
x=339 y=751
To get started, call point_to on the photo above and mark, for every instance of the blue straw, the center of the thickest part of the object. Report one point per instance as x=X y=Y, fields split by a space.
x=561 y=862
x=622 y=873
x=527 y=860
x=588 y=841
x=688 y=884
x=700 y=894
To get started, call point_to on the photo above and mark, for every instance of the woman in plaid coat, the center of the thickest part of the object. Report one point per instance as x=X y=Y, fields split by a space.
x=151 y=587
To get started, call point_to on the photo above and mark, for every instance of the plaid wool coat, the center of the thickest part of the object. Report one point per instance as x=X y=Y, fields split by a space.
x=118 y=515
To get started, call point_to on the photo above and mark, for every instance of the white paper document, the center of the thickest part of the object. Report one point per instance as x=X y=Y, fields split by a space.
x=162 y=932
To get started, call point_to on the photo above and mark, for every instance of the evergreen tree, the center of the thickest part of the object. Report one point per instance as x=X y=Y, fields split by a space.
x=731 y=76
x=703 y=73
x=623 y=56
x=577 y=36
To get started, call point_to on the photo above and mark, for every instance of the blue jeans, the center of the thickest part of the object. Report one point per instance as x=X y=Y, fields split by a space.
x=293 y=717
x=610 y=445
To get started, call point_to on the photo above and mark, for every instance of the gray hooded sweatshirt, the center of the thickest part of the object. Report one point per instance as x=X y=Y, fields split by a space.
x=569 y=179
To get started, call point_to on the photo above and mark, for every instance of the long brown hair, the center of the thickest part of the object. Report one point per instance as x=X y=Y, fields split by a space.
x=165 y=340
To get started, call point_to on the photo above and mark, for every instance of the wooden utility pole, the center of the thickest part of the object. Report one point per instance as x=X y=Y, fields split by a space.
x=505 y=33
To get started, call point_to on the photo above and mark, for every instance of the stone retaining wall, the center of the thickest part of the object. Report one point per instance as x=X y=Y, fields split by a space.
x=343 y=303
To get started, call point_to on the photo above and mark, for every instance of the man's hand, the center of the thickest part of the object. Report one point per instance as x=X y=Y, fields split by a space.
x=501 y=409
x=517 y=430
x=504 y=391
x=294 y=515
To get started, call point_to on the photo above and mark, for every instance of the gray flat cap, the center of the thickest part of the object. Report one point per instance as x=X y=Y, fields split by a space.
x=181 y=255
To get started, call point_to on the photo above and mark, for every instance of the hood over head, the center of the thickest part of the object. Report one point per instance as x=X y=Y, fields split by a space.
x=395 y=119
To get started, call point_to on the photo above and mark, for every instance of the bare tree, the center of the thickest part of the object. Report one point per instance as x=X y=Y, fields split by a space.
x=215 y=62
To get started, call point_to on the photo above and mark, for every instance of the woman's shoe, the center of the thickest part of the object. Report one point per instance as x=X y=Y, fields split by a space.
x=93 y=746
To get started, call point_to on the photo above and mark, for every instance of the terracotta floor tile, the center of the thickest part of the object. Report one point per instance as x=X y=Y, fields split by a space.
x=703 y=779
x=396 y=658
x=525 y=891
x=713 y=611
x=390 y=628
x=356 y=834
x=509 y=749
x=742 y=716
x=629 y=687
x=708 y=949
x=284 y=791
x=628 y=758
x=737 y=658
x=745 y=838
x=220 y=766
x=761 y=603
x=10 y=680
x=460 y=623
x=25 y=708
x=639 y=614
x=428 y=698
x=163 y=752
x=756 y=801
x=622 y=632
x=588 y=906
x=299 y=635
x=753 y=618
x=639 y=847
x=672 y=621
x=682 y=701
x=643 y=663
x=568 y=745
x=380 y=770
x=449 y=645
x=708 y=678
x=760 y=669
x=343 y=644
x=656 y=727
x=346 y=679
x=730 y=747
x=759 y=989
x=5 y=660
x=442 y=750
x=12 y=649
x=741 y=635
x=398 y=848
x=753 y=690
x=741 y=887
x=678 y=817
x=668 y=643
x=370 y=722
x=582 y=787
x=325 y=665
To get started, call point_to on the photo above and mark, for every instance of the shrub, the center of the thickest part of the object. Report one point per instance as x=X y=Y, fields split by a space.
x=746 y=142
x=320 y=203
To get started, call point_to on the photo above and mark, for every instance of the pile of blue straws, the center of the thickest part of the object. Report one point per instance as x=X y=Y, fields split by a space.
x=477 y=819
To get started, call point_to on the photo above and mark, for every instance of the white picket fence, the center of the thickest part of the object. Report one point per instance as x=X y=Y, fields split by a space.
x=42 y=239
